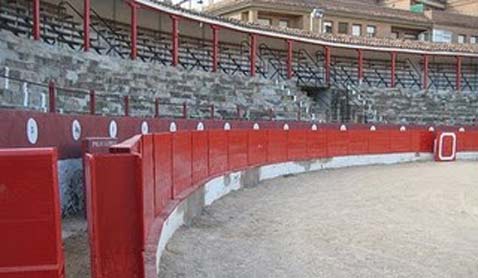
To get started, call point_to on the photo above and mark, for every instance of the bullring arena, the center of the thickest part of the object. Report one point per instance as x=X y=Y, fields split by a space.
x=167 y=142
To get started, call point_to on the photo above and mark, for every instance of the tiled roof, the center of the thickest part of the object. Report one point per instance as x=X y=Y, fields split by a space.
x=338 y=39
x=367 y=8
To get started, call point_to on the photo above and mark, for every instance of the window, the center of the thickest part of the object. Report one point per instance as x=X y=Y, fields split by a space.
x=283 y=23
x=474 y=39
x=343 y=28
x=371 y=31
x=264 y=21
x=328 y=27
x=410 y=36
x=461 y=38
x=356 y=30
x=245 y=16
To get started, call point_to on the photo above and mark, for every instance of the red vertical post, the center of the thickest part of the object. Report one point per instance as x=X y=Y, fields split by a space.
x=212 y=111
x=185 y=110
x=92 y=102
x=134 y=30
x=458 y=73
x=175 y=40
x=327 y=65
x=36 y=20
x=253 y=53
x=360 y=65
x=215 y=47
x=156 y=108
x=290 y=53
x=425 y=71
x=126 y=106
x=393 y=68
x=86 y=25
x=51 y=97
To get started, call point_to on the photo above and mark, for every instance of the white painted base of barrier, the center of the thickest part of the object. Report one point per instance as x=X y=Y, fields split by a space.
x=221 y=186
x=467 y=156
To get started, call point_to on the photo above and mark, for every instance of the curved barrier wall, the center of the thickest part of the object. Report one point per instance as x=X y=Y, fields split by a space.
x=151 y=184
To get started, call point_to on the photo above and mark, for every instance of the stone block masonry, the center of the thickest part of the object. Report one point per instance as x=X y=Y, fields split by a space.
x=112 y=78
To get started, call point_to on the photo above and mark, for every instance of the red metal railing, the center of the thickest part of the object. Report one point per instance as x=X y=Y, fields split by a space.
x=171 y=48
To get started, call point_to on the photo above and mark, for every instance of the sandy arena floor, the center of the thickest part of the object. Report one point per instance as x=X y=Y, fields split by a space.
x=409 y=220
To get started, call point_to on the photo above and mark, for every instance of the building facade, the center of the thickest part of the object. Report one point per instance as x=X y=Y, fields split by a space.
x=430 y=20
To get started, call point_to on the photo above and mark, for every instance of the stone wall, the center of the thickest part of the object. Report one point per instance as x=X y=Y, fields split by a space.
x=113 y=78
x=399 y=106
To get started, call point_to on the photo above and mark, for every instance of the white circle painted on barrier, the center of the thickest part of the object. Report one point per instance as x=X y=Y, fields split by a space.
x=431 y=129
x=144 y=128
x=462 y=129
x=373 y=128
x=76 y=130
x=256 y=126
x=113 y=129
x=403 y=128
x=227 y=126
x=343 y=128
x=173 y=127
x=286 y=127
x=314 y=127
x=200 y=126
x=32 y=131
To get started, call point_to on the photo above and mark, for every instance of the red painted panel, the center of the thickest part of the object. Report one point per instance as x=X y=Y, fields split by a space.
x=200 y=156
x=358 y=142
x=114 y=202
x=297 y=145
x=237 y=142
x=147 y=161
x=337 y=143
x=163 y=170
x=379 y=142
x=400 y=141
x=218 y=158
x=426 y=143
x=30 y=231
x=317 y=144
x=468 y=141
x=257 y=147
x=182 y=162
x=277 y=146
x=462 y=142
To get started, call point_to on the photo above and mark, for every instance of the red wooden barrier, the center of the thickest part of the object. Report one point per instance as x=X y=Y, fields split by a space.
x=115 y=217
x=379 y=142
x=163 y=165
x=257 y=142
x=400 y=141
x=337 y=143
x=148 y=180
x=317 y=144
x=297 y=145
x=238 y=149
x=277 y=146
x=200 y=156
x=168 y=166
x=218 y=147
x=30 y=232
x=182 y=163
x=358 y=142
